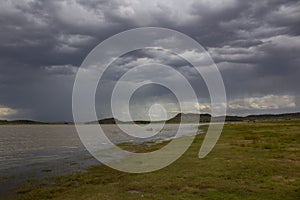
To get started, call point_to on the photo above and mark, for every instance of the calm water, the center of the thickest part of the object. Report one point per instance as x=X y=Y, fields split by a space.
x=35 y=151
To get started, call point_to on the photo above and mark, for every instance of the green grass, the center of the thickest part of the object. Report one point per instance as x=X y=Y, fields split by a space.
x=250 y=161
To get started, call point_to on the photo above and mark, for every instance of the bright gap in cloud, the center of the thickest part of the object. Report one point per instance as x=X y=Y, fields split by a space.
x=5 y=112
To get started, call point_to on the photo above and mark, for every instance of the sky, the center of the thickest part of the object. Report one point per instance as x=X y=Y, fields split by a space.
x=255 y=45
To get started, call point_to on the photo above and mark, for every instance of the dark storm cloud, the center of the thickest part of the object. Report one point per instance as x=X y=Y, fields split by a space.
x=255 y=44
x=150 y=93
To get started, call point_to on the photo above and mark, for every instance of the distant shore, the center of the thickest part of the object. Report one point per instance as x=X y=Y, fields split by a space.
x=179 y=118
x=31 y=122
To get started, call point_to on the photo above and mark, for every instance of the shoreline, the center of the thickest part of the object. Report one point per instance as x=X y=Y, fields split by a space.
x=39 y=170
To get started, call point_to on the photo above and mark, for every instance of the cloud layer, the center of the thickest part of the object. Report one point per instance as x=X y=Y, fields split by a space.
x=256 y=45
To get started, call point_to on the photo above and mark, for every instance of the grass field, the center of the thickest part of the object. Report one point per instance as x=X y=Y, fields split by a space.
x=254 y=161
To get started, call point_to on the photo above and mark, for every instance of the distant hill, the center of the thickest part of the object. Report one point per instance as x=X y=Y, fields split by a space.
x=107 y=121
x=207 y=117
x=113 y=121
x=186 y=118
x=286 y=116
x=189 y=118
x=15 y=122
x=20 y=122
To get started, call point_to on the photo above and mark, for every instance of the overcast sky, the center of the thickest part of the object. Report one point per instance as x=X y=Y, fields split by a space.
x=255 y=44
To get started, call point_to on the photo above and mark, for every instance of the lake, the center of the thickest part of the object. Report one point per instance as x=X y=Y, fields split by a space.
x=37 y=151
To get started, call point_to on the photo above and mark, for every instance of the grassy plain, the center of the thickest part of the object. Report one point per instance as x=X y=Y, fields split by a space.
x=251 y=161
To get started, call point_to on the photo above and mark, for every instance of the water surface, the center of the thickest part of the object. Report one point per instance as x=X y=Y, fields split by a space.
x=35 y=151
